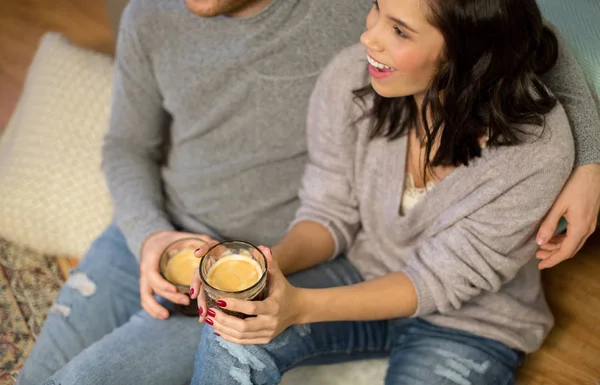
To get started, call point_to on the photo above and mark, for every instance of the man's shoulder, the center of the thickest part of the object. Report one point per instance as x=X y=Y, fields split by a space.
x=151 y=14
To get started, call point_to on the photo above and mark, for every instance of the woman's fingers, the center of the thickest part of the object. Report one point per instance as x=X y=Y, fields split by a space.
x=245 y=307
x=200 y=251
x=236 y=327
x=254 y=341
x=201 y=305
x=195 y=286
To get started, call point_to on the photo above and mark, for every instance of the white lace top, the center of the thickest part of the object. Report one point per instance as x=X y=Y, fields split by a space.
x=411 y=194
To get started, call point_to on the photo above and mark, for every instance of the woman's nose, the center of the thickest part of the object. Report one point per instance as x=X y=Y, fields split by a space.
x=370 y=41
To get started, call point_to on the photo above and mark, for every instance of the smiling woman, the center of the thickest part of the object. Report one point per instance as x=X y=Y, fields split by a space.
x=423 y=70
x=446 y=286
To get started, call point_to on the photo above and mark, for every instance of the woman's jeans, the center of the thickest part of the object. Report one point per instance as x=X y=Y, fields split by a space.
x=419 y=352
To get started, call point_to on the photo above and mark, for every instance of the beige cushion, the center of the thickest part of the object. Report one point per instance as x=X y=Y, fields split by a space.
x=53 y=196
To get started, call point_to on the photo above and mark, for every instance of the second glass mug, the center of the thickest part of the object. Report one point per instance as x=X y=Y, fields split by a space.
x=256 y=292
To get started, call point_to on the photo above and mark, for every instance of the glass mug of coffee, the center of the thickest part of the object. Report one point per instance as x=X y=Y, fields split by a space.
x=234 y=269
x=177 y=265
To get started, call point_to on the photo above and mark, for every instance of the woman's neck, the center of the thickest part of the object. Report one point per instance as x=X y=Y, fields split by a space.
x=420 y=129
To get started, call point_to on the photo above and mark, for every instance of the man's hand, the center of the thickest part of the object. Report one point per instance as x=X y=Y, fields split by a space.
x=151 y=282
x=579 y=203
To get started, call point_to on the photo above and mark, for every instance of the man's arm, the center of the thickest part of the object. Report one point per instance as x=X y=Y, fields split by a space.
x=132 y=151
x=567 y=81
x=579 y=200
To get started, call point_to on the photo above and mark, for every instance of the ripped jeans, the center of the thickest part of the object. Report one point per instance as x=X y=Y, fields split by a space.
x=419 y=352
x=97 y=333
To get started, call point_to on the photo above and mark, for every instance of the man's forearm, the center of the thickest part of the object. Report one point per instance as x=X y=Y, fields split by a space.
x=135 y=186
x=132 y=151
x=567 y=81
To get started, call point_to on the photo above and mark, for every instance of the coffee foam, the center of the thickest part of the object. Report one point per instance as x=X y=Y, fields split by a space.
x=181 y=267
x=229 y=280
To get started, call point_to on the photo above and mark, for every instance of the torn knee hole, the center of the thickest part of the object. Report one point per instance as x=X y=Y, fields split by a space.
x=61 y=309
x=82 y=283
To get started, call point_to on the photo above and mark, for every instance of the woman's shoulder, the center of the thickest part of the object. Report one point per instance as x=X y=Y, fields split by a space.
x=346 y=72
x=333 y=100
x=547 y=148
x=554 y=137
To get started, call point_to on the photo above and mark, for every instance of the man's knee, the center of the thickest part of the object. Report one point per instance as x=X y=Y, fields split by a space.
x=110 y=249
x=108 y=263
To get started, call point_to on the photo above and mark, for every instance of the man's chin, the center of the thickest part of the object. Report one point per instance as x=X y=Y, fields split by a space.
x=205 y=8
x=213 y=8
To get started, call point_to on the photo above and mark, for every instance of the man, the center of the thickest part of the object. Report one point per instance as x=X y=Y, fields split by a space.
x=206 y=137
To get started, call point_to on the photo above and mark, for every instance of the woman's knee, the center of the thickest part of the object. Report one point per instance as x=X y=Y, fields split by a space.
x=222 y=362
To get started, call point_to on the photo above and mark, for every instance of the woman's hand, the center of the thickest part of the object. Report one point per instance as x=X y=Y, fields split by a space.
x=579 y=203
x=272 y=316
x=196 y=288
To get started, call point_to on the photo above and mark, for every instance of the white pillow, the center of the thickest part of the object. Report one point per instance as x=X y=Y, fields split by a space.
x=53 y=197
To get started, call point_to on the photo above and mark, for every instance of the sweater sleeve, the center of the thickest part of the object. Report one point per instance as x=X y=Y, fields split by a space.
x=326 y=193
x=568 y=83
x=487 y=248
x=131 y=154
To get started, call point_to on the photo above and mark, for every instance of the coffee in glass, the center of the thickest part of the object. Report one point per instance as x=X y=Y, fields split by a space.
x=234 y=269
x=177 y=265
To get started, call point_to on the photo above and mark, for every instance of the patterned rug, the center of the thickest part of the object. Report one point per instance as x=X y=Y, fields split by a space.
x=29 y=282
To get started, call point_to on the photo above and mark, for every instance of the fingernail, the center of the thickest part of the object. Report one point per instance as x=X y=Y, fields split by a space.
x=211 y=313
x=192 y=291
x=221 y=303
x=197 y=250
x=540 y=240
x=200 y=311
x=209 y=321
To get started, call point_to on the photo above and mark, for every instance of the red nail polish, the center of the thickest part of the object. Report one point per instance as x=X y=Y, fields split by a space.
x=211 y=313
x=200 y=311
x=209 y=321
x=192 y=291
x=221 y=303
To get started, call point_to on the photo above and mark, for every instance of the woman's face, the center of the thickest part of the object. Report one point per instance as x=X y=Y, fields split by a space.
x=404 y=49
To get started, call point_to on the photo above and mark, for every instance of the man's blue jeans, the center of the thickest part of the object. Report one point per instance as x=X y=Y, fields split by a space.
x=419 y=353
x=97 y=332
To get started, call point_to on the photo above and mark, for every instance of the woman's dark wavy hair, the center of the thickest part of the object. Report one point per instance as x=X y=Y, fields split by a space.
x=488 y=81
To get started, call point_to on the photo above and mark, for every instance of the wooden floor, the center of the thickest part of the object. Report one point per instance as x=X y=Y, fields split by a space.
x=570 y=356
x=22 y=23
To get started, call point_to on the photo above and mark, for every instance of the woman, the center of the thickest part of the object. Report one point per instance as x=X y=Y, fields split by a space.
x=430 y=169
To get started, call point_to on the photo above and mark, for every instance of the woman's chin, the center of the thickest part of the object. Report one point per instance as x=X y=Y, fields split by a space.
x=385 y=91
x=390 y=91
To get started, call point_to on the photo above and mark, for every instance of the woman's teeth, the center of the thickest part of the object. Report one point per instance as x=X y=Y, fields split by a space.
x=378 y=65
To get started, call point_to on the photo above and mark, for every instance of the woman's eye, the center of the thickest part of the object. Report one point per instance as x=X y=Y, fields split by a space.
x=400 y=33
